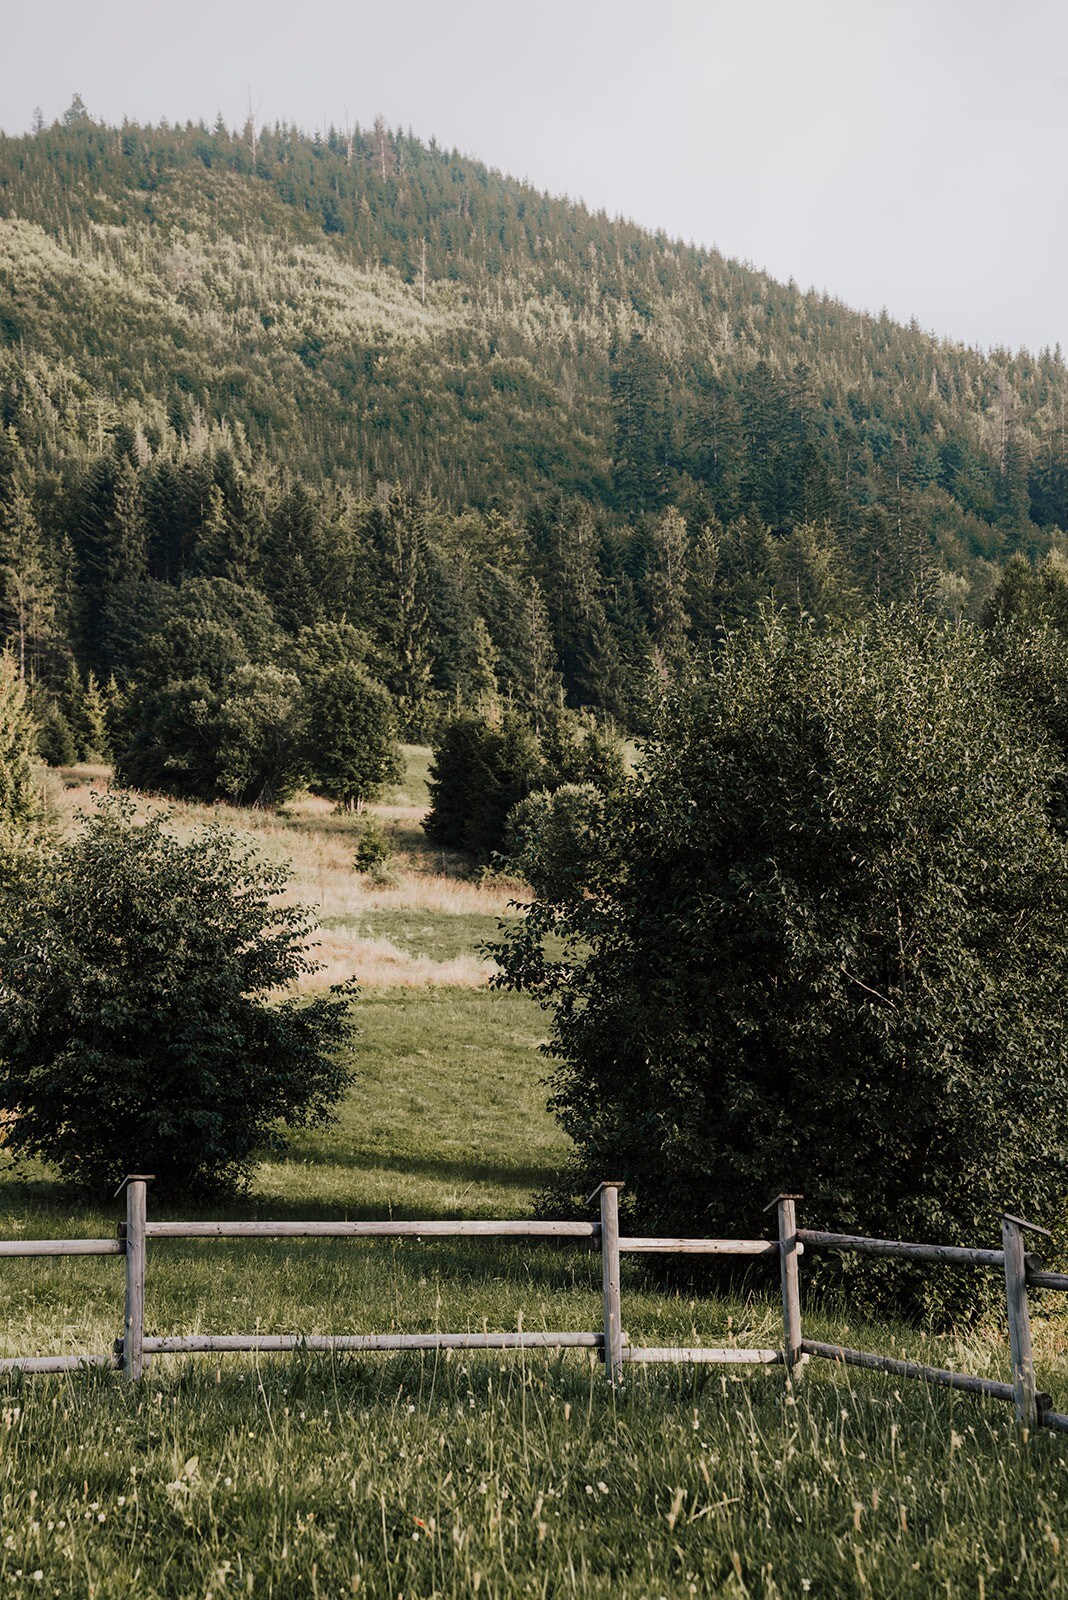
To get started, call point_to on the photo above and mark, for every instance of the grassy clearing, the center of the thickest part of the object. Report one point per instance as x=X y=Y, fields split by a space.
x=520 y=1475
x=456 y=1479
x=420 y=1478
x=422 y=928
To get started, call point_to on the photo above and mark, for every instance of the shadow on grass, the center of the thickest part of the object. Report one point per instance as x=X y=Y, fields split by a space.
x=465 y=1169
x=54 y=1198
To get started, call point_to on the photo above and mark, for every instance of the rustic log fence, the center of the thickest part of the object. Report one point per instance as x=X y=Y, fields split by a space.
x=1023 y=1270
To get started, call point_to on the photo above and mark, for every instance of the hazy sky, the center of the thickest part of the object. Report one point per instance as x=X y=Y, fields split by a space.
x=906 y=153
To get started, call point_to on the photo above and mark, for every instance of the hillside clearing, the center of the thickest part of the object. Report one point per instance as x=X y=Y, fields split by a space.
x=507 y=1476
x=421 y=927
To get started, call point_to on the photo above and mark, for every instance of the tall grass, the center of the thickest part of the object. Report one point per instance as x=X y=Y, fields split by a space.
x=476 y=1474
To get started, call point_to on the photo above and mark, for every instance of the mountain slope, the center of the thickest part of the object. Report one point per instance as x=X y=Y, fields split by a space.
x=377 y=320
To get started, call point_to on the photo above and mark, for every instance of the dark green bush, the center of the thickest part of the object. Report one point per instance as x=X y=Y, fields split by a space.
x=373 y=855
x=481 y=769
x=350 y=735
x=208 y=715
x=55 y=738
x=826 y=950
x=140 y=1024
x=552 y=839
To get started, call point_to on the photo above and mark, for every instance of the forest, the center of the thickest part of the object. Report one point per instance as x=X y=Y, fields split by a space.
x=528 y=454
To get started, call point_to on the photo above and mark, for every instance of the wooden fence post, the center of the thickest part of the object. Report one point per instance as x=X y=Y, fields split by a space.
x=133 y=1333
x=1023 y=1366
x=786 y=1205
x=613 y=1323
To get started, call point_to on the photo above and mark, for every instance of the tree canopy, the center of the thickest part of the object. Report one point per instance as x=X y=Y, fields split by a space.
x=19 y=799
x=518 y=446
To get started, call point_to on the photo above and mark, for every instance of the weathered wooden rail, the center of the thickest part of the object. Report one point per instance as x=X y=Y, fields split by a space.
x=1023 y=1270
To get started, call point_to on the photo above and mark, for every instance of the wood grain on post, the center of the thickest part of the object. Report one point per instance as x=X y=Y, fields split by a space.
x=136 y=1186
x=613 y=1321
x=786 y=1205
x=1023 y=1364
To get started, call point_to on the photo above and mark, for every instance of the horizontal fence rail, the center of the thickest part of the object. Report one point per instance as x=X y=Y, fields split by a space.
x=186 y=1344
x=62 y=1363
x=1047 y=1280
x=730 y=1356
x=1023 y=1271
x=701 y=1247
x=910 y=1369
x=459 y=1229
x=949 y=1254
x=61 y=1247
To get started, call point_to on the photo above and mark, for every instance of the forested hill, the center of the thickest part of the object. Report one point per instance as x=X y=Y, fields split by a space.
x=371 y=378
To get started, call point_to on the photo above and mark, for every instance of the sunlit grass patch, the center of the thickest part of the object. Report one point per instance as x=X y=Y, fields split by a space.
x=419 y=925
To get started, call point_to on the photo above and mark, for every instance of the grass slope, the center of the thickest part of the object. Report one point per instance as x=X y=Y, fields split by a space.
x=421 y=1478
x=513 y=1476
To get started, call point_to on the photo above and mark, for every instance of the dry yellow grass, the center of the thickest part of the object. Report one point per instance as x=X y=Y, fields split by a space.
x=378 y=963
x=318 y=845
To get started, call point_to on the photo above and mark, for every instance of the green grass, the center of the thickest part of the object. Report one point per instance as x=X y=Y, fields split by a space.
x=414 y=787
x=424 y=933
x=501 y=1476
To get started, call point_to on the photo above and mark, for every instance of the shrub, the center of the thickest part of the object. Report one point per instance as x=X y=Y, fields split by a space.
x=480 y=771
x=484 y=767
x=55 y=740
x=551 y=839
x=258 y=736
x=208 y=716
x=140 y=1028
x=373 y=855
x=1030 y=669
x=825 y=949
x=579 y=750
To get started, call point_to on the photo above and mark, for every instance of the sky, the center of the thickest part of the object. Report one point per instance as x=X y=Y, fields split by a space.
x=906 y=154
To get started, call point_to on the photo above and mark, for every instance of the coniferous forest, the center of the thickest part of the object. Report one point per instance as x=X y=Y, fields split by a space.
x=257 y=387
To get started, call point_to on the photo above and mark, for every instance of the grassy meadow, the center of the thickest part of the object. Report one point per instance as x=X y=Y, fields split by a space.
x=459 y=1474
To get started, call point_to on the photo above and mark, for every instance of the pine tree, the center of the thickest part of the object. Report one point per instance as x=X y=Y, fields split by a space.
x=665 y=583
x=19 y=806
x=639 y=465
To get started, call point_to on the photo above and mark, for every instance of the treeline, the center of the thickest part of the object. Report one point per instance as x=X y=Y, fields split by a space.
x=563 y=604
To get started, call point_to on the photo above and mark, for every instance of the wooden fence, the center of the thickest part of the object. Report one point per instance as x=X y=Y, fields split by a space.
x=1023 y=1270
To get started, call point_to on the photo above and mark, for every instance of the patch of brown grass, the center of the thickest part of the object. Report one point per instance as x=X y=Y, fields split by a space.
x=378 y=963
x=319 y=846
